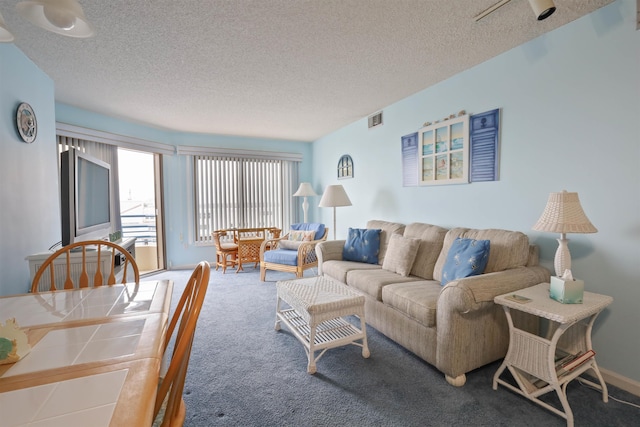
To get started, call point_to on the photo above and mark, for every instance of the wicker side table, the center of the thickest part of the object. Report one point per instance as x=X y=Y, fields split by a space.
x=315 y=317
x=531 y=359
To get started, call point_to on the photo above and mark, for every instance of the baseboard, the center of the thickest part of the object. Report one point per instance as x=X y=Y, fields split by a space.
x=621 y=382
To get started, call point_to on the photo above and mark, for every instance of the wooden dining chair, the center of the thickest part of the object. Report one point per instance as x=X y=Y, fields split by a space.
x=84 y=264
x=170 y=409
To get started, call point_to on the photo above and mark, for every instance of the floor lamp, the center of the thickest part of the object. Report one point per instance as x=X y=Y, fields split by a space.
x=563 y=214
x=334 y=196
x=305 y=190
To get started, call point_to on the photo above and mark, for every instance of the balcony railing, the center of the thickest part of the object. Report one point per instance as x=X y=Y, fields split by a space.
x=143 y=227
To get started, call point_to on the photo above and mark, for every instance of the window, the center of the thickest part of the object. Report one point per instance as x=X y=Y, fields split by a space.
x=242 y=192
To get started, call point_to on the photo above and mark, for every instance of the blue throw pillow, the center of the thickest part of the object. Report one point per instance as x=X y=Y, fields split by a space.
x=467 y=257
x=362 y=245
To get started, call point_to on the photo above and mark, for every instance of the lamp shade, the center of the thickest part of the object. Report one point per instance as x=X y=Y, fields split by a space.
x=334 y=195
x=564 y=214
x=5 y=34
x=58 y=16
x=305 y=190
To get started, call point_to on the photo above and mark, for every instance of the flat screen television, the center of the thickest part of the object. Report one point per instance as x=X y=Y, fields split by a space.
x=85 y=190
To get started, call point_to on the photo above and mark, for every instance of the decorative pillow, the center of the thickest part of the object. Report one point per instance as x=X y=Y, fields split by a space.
x=362 y=245
x=301 y=235
x=308 y=226
x=467 y=257
x=401 y=252
x=290 y=244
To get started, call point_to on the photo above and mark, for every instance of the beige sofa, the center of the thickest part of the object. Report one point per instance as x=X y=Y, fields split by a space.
x=456 y=328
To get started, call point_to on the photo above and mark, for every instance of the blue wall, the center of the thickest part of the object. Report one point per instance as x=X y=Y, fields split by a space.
x=30 y=207
x=570 y=120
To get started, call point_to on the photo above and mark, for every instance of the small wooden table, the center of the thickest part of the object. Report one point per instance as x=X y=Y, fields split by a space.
x=249 y=241
x=531 y=359
x=318 y=305
x=95 y=355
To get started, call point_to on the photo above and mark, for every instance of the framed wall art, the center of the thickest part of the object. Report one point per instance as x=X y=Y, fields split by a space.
x=444 y=152
x=410 y=160
x=345 y=167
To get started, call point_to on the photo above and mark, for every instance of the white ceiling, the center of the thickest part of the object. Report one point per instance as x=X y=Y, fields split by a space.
x=283 y=69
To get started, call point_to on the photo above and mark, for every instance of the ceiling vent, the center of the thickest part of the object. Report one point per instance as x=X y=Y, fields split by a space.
x=375 y=120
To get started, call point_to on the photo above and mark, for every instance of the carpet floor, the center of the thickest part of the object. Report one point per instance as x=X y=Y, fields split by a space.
x=244 y=373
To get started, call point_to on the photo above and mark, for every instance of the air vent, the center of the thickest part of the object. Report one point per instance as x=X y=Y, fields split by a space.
x=375 y=120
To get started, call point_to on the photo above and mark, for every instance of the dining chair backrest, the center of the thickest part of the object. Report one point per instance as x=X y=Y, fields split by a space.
x=183 y=324
x=84 y=264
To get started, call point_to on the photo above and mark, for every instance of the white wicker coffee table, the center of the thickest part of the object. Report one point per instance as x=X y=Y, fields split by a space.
x=317 y=307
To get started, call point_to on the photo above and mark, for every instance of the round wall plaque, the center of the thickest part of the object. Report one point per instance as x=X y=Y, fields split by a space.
x=26 y=122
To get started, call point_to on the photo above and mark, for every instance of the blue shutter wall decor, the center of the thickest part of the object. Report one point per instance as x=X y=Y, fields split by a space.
x=484 y=137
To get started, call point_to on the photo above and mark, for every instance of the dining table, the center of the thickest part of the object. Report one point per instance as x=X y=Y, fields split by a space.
x=94 y=359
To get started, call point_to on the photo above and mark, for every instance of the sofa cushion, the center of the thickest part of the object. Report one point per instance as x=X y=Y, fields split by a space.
x=431 y=240
x=401 y=253
x=362 y=245
x=417 y=300
x=509 y=249
x=466 y=257
x=371 y=282
x=388 y=228
x=311 y=226
x=339 y=269
x=282 y=256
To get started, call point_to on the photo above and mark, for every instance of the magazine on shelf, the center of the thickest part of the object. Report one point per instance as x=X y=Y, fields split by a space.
x=574 y=362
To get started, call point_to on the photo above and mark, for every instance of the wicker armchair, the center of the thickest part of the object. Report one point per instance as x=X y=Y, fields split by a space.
x=295 y=258
x=226 y=252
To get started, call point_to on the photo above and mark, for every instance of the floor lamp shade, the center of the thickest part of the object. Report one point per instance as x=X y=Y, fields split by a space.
x=305 y=190
x=334 y=196
x=563 y=214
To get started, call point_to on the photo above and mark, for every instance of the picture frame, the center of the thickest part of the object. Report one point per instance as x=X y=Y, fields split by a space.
x=443 y=152
x=345 y=167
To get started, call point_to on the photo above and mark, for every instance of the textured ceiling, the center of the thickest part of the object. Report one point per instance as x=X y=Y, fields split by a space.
x=284 y=69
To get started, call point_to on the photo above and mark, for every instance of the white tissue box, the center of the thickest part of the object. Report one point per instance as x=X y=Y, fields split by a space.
x=566 y=291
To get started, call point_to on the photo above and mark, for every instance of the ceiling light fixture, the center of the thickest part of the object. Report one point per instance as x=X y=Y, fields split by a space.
x=5 y=34
x=542 y=9
x=58 y=16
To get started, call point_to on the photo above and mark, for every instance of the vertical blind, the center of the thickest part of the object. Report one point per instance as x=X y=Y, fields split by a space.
x=237 y=192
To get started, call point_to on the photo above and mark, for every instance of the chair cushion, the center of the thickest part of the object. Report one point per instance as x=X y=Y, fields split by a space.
x=467 y=257
x=310 y=226
x=282 y=256
x=292 y=245
x=362 y=245
x=401 y=253
x=301 y=235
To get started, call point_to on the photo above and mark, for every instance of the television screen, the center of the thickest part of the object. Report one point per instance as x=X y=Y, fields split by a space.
x=92 y=197
x=85 y=190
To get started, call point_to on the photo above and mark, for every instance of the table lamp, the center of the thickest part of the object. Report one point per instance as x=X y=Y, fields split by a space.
x=563 y=214
x=305 y=190
x=334 y=196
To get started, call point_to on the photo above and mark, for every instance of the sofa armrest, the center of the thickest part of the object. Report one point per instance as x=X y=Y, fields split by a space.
x=470 y=293
x=471 y=329
x=329 y=250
